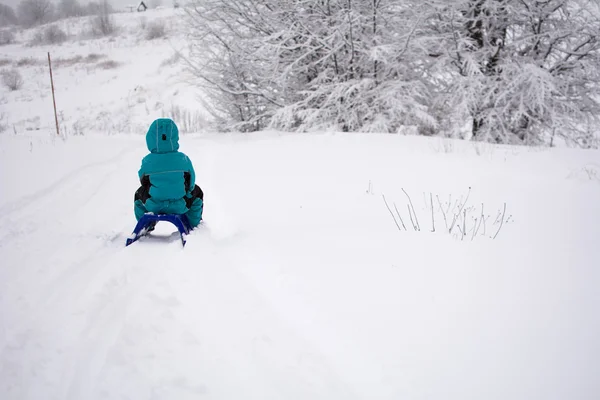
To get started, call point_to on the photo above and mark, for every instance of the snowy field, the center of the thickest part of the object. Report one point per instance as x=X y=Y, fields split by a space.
x=111 y=84
x=299 y=284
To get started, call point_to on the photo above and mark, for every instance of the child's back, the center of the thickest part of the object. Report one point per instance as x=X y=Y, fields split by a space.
x=167 y=176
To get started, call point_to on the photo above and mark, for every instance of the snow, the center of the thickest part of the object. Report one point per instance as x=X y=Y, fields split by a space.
x=298 y=284
x=143 y=79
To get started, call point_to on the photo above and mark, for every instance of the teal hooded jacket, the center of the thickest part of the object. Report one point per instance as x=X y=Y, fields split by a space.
x=167 y=172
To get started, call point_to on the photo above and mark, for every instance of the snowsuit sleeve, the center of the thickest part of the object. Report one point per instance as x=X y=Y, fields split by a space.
x=190 y=169
x=142 y=170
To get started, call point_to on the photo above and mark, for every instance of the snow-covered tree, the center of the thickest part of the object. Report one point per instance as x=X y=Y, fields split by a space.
x=521 y=70
x=227 y=40
x=70 y=8
x=515 y=70
x=35 y=12
x=7 y=16
x=353 y=66
x=311 y=64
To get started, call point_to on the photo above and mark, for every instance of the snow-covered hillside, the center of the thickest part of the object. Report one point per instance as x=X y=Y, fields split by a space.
x=299 y=284
x=111 y=84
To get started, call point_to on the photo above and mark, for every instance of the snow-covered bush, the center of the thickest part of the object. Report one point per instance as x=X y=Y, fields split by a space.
x=455 y=217
x=155 y=30
x=27 y=62
x=188 y=121
x=108 y=64
x=94 y=57
x=67 y=62
x=78 y=59
x=12 y=79
x=51 y=34
x=103 y=24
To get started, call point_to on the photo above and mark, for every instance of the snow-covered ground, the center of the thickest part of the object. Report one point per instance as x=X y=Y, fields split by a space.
x=111 y=84
x=299 y=284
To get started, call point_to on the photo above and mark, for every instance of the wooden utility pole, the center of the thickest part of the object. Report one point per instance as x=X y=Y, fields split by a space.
x=53 y=98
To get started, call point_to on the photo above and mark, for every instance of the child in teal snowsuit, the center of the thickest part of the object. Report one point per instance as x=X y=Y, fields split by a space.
x=167 y=177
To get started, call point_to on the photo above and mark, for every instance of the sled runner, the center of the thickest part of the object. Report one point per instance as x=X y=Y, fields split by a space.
x=149 y=220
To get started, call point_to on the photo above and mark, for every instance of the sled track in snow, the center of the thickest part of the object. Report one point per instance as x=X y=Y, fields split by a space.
x=55 y=187
x=118 y=294
x=47 y=205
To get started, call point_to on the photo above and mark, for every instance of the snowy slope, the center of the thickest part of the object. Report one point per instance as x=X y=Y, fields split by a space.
x=298 y=285
x=111 y=84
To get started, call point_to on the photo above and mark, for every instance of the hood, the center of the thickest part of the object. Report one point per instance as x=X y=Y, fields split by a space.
x=162 y=136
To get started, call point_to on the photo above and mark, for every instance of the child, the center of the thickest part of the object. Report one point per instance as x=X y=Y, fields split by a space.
x=167 y=177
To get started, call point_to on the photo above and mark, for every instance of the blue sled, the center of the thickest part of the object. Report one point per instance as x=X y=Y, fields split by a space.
x=148 y=220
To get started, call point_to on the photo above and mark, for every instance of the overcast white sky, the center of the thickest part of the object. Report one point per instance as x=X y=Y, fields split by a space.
x=115 y=3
